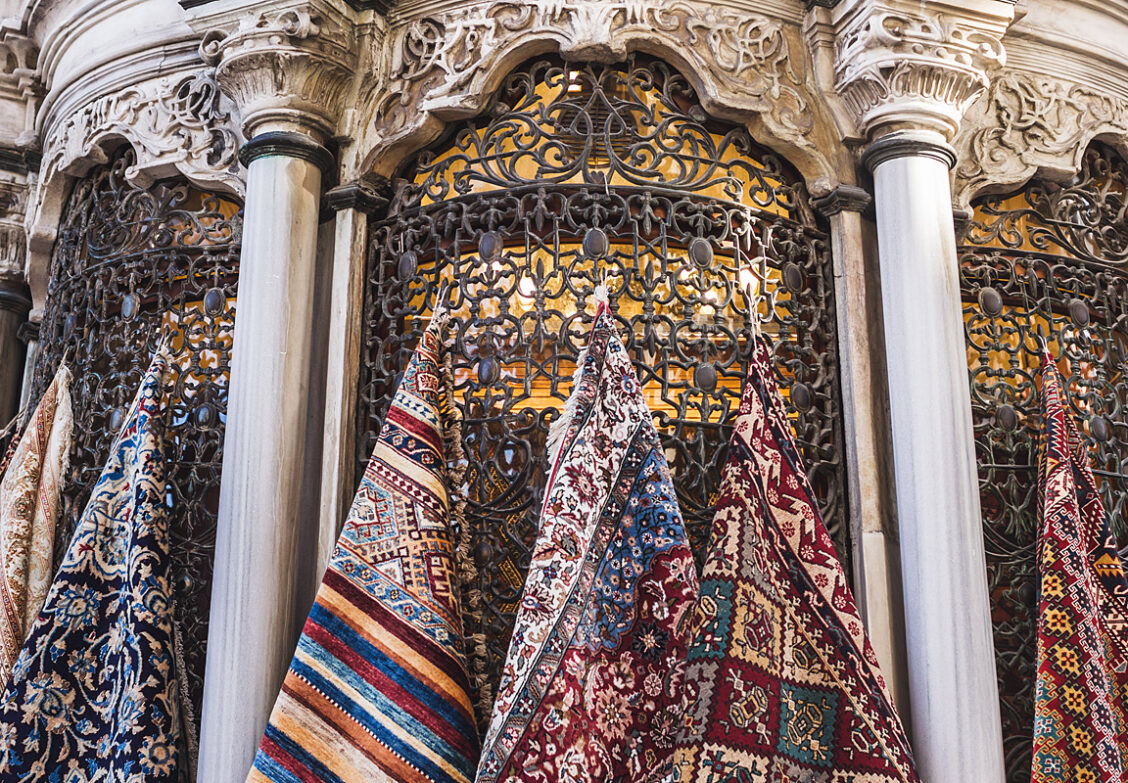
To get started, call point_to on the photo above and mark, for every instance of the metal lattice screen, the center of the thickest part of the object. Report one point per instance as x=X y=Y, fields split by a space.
x=580 y=174
x=130 y=263
x=1048 y=259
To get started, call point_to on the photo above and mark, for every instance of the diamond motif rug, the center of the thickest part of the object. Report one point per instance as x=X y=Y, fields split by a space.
x=591 y=687
x=30 y=503
x=782 y=684
x=1081 y=691
x=378 y=688
x=93 y=695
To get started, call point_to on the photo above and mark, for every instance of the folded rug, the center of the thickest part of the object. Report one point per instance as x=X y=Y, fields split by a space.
x=1081 y=691
x=30 y=502
x=782 y=684
x=591 y=687
x=93 y=695
x=378 y=688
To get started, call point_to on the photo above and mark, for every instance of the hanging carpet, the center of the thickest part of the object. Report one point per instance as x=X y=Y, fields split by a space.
x=591 y=686
x=30 y=504
x=782 y=684
x=378 y=688
x=1080 y=693
x=93 y=696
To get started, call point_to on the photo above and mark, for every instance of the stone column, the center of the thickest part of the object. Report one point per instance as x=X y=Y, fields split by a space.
x=955 y=710
x=873 y=522
x=287 y=72
x=15 y=303
x=907 y=70
x=353 y=202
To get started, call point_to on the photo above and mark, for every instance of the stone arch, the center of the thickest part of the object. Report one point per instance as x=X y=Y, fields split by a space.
x=746 y=68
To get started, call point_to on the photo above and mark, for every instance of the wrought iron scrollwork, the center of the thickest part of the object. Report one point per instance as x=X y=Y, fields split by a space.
x=1049 y=259
x=581 y=174
x=129 y=265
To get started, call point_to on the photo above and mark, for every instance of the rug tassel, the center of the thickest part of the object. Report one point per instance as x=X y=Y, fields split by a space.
x=459 y=494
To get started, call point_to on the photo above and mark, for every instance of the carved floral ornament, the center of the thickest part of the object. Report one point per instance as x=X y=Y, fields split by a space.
x=443 y=67
x=1028 y=124
x=176 y=124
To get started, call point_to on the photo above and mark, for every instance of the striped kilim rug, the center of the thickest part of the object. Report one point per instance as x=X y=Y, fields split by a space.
x=591 y=687
x=1080 y=694
x=782 y=684
x=378 y=688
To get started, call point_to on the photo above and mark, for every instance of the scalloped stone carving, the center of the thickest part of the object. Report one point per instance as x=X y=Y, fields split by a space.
x=174 y=124
x=440 y=63
x=1028 y=123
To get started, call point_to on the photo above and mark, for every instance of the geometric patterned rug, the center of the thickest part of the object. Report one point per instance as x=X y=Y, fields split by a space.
x=1080 y=693
x=782 y=684
x=591 y=687
x=378 y=687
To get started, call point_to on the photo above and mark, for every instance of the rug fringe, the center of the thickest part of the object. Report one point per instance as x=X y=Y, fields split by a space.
x=459 y=497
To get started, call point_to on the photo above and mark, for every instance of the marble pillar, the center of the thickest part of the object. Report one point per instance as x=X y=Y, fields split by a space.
x=267 y=528
x=955 y=721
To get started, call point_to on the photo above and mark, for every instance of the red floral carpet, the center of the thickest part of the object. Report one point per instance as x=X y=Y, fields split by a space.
x=591 y=688
x=782 y=684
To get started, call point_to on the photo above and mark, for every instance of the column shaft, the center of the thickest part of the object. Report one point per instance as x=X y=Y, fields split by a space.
x=955 y=710
x=267 y=529
x=14 y=306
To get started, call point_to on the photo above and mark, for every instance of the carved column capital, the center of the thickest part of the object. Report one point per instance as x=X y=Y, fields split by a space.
x=909 y=64
x=288 y=68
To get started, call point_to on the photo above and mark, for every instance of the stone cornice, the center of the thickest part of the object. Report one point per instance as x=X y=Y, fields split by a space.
x=287 y=68
x=908 y=64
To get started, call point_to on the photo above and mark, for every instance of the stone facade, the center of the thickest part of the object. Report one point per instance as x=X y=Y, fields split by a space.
x=894 y=112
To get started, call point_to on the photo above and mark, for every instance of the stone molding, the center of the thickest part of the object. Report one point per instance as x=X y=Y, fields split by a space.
x=286 y=68
x=907 y=64
x=21 y=88
x=1029 y=124
x=13 y=247
x=746 y=67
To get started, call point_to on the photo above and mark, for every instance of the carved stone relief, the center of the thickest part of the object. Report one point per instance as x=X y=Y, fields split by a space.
x=1028 y=123
x=178 y=125
x=897 y=65
x=444 y=66
x=20 y=85
x=13 y=203
x=175 y=124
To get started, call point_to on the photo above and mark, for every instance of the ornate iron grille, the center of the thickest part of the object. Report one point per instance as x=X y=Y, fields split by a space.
x=1047 y=259
x=580 y=174
x=129 y=264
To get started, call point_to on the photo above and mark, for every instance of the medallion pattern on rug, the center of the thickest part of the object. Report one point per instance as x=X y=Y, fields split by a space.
x=782 y=684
